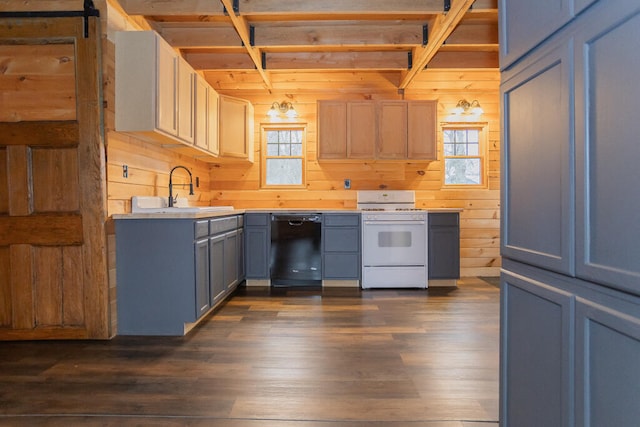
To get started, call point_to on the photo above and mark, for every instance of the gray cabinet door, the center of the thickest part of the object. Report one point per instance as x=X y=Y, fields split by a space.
x=538 y=169
x=231 y=259
x=536 y=353
x=526 y=23
x=444 y=246
x=217 y=267
x=607 y=153
x=341 y=244
x=608 y=364
x=202 y=276
x=257 y=240
x=241 y=268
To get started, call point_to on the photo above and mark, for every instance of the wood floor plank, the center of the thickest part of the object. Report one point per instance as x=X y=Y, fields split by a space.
x=310 y=358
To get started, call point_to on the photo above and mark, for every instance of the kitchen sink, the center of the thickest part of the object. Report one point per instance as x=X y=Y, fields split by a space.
x=152 y=204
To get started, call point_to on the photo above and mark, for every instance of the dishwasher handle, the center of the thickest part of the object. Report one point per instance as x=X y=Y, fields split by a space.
x=297 y=220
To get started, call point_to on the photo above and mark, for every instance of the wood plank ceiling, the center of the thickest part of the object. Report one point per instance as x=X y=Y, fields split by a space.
x=265 y=36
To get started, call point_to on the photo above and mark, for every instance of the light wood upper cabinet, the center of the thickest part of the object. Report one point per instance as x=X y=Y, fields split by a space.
x=154 y=89
x=202 y=118
x=161 y=99
x=332 y=125
x=213 y=116
x=185 y=85
x=167 y=74
x=206 y=120
x=361 y=130
x=422 y=130
x=236 y=128
x=383 y=130
x=392 y=130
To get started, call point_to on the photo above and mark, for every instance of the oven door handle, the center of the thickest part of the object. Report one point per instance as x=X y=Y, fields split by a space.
x=385 y=222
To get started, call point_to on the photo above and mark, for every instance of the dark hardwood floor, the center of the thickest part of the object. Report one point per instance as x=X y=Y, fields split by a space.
x=267 y=358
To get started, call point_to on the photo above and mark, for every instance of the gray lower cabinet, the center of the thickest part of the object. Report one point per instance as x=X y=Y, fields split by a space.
x=444 y=245
x=341 y=246
x=170 y=272
x=257 y=240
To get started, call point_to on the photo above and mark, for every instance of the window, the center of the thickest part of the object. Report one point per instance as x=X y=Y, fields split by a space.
x=464 y=155
x=283 y=156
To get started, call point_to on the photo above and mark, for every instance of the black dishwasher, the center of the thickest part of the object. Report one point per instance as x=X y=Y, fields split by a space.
x=296 y=259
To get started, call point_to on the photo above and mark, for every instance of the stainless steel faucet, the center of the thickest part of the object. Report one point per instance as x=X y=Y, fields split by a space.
x=171 y=183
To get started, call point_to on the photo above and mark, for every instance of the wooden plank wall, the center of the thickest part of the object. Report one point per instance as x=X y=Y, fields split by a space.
x=239 y=185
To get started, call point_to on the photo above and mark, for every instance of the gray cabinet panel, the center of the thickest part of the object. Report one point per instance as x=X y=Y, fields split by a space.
x=444 y=246
x=203 y=302
x=608 y=382
x=608 y=157
x=231 y=259
x=537 y=187
x=341 y=239
x=341 y=266
x=257 y=238
x=216 y=262
x=525 y=23
x=536 y=353
x=341 y=245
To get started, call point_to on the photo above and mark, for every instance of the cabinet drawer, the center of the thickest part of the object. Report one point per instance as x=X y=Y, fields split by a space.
x=258 y=220
x=341 y=239
x=443 y=219
x=201 y=229
x=217 y=226
x=337 y=220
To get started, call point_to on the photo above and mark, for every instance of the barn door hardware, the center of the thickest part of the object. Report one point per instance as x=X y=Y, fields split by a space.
x=409 y=60
x=425 y=34
x=263 y=60
x=89 y=10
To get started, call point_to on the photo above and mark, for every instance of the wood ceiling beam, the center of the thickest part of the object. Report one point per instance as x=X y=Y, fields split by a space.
x=302 y=61
x=442 y=28
x=307 y=9
x=242 y=27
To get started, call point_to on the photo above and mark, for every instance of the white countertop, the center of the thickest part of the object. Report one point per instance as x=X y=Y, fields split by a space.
x=198 y=215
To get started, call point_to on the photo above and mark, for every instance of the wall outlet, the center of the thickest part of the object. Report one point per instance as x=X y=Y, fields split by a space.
x=125 y=171
x=347 y=184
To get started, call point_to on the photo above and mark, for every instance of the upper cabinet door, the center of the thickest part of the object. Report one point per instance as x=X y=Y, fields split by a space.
x=332 y=130
x=361 y=130
x=201 y=113
x=526 y=23
x=186 y=98
x=167 y=69
x=392 y=130
x=213 y=115
x=421 y=130
x=607 y=151
x=537 y=173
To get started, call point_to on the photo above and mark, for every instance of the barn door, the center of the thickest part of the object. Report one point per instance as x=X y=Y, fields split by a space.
x=53 y=268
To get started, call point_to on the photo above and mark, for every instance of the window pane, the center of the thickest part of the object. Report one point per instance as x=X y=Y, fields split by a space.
x=296 y=136
x=449 y=149
x=284 y=171
x=473 y=149
x=461 y=150
x=284 y=136
x=285 y=149
x=460 y=135
x=272 y=137
x=448 y=136
x=473 y=135
x=462 y=171
x=272 y=149
x=296 y=149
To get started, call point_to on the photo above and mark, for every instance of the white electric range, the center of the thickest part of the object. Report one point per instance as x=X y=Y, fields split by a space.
x=394 y=240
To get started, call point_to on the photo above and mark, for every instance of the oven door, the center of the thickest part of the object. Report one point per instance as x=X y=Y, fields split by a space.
x=393 y=243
